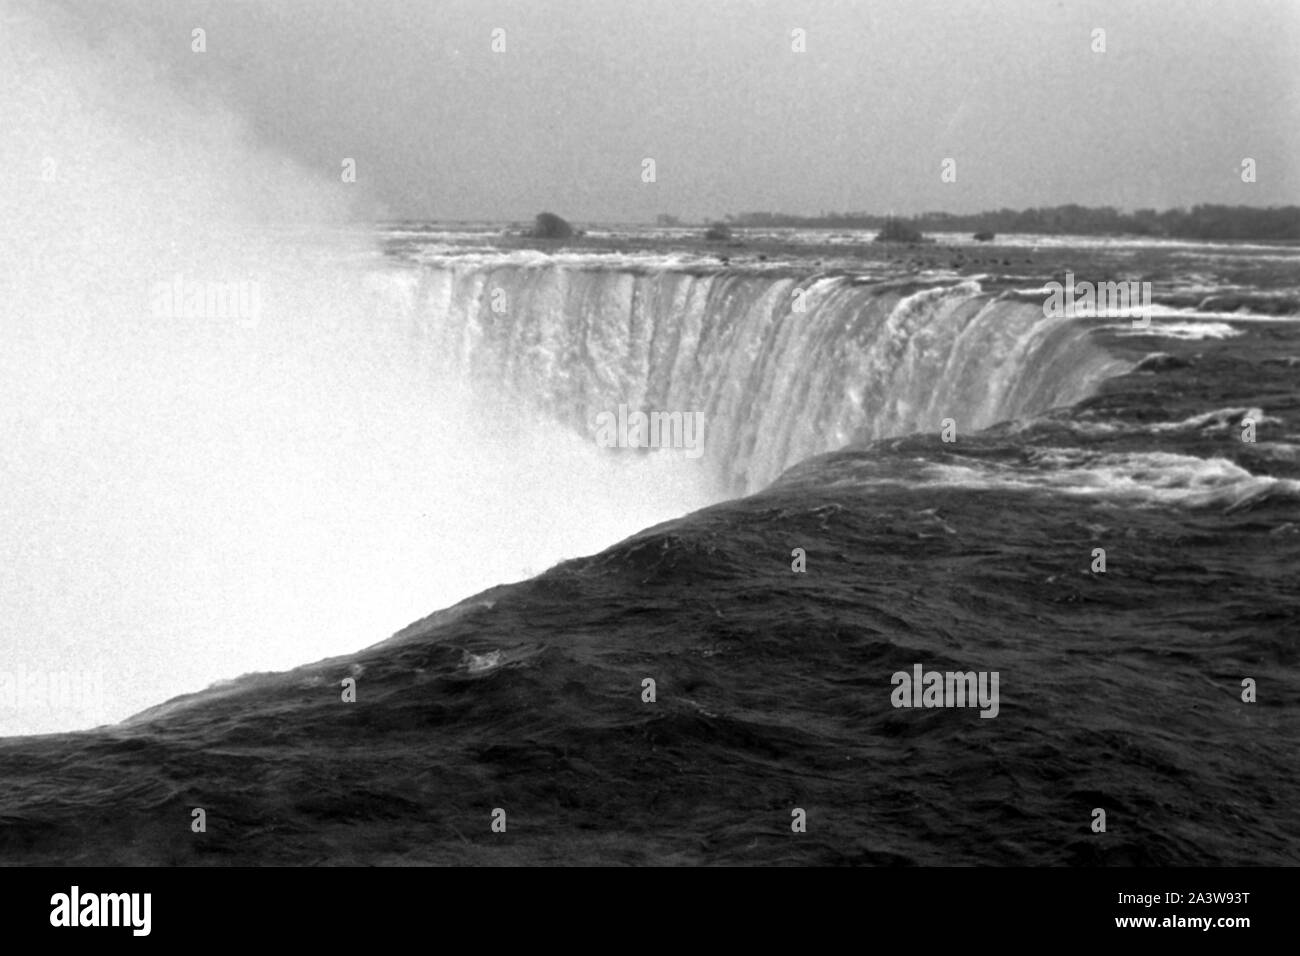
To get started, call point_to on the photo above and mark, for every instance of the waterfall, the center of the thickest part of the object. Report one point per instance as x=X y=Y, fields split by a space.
x=781 y=367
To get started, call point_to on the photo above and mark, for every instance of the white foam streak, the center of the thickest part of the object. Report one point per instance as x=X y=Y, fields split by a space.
x=1139 y=477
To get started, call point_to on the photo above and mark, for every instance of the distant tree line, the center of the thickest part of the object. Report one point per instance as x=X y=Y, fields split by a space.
x=1199 y=222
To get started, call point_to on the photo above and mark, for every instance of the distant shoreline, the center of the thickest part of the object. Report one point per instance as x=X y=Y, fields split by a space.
x=1204 y=223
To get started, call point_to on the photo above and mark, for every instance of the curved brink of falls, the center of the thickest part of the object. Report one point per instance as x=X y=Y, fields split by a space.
x=775 y=385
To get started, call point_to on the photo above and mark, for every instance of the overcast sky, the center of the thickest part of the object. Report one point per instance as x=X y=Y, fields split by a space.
x=442 y=126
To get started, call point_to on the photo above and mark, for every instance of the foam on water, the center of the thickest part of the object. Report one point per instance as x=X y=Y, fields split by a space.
x=1152 y=478
x=1187 y=331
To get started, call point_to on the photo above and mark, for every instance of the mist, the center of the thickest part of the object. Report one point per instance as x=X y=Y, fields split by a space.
x=220 y=453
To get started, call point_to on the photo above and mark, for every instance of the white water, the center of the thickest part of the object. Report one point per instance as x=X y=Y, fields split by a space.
x=774 y=384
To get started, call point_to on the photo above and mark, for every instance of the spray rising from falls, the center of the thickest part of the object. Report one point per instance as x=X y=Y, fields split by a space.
x=215 y=457
x=780 y=368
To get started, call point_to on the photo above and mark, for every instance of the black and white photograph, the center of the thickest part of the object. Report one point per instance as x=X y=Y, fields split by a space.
x=488 y=433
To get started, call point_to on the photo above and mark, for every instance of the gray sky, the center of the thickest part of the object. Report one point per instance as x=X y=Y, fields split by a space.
x=441 y=126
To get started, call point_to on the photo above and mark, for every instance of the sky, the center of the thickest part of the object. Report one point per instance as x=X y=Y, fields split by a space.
x=441 y=125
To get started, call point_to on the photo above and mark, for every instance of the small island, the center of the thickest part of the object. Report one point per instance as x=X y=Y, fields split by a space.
x=550 y=226
x=896 y=230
